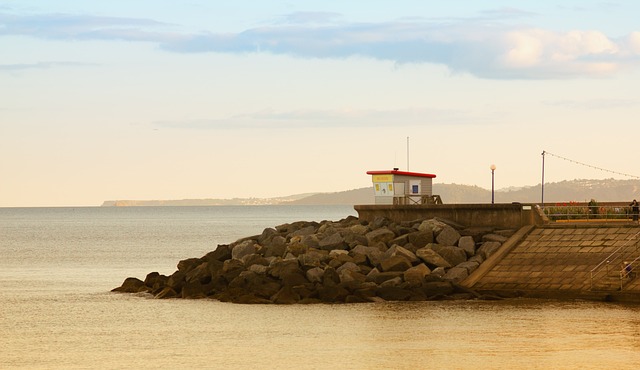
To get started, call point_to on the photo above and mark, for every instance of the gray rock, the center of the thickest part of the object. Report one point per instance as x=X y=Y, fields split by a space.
x=380 y=235
x=245 y=248
x=315 y=275
x=401 y=240
x=277 y=247
x=421 y=238
x=395 y=263
x=279 y=269
x=397 y=250
x=130 y=285
x=456 y=274
x=453 y=255
x=448 y=236
x=471 y=266
x=468 y=245
x=432 y=258
x=488 y=248
x=437 y=288
x=494 y=238
x=313 y=258
x=258 y=269
x=348 y=276
x=188 y=264
x=438 y=272
x=296 y=247
x=359 y=229
x=286 y=295
x=396 y=281
x=348 y=266
x=199 y=273
x=432 y=225
x=415 y=275
x=308 y=230
x=334 y=241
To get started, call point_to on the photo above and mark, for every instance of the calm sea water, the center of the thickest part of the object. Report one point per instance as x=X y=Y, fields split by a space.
x=57 y=266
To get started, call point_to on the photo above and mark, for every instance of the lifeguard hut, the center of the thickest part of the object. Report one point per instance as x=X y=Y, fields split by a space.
x=402 y=187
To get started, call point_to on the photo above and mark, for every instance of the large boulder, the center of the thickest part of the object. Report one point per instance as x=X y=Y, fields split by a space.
x=276 y=247
x=432 y=258
x=416 y=274
x=315 y=275
x=286 y=295
x=374 y=255
x=333 y=241
x=420 y=238
x=470 y=266
x=488 y=248
x=494 y=238
x=437 y=288
x=456 y=274
x=468 y=245
x=131 y=285
x=448 y=236
x=245 y=248
x=395 y=263
x=453 y=255
x=186 y=265
x=397 y=250
x=433 y=225
x=380 y=235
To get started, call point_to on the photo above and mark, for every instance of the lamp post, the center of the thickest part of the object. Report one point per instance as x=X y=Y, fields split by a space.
x=493 y=169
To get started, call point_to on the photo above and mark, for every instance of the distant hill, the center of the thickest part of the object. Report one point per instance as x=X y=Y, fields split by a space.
x=607 y=190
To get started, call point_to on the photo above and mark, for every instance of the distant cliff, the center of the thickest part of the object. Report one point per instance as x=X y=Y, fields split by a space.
x=607 y=190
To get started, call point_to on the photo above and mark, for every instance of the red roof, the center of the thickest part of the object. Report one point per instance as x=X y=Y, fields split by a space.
x=403 y=173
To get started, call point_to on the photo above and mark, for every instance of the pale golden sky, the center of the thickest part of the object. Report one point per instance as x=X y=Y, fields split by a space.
x=164 y=100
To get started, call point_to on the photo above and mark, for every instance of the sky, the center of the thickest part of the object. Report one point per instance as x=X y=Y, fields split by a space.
x=159 y=99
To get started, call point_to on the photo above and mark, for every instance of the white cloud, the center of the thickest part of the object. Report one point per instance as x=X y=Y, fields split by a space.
x=483 y=49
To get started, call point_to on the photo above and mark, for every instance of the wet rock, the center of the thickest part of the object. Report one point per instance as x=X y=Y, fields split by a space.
x=131 y=285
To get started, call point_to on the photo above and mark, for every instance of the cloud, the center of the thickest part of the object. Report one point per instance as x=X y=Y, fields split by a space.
x=594 y=104
x=42 y=65
x=318 y=119
x=483 y=47
x=82 y=27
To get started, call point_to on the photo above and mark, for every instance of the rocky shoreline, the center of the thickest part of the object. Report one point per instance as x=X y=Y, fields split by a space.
x=346 y=261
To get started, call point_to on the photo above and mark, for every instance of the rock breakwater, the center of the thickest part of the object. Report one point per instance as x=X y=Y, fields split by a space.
x=348 y=261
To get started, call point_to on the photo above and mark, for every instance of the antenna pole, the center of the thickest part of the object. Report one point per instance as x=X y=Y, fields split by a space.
x=407 y=153
x=542 y=201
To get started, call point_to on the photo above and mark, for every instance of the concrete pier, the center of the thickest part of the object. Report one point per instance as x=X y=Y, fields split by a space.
x=544 y=259
x=558 y=261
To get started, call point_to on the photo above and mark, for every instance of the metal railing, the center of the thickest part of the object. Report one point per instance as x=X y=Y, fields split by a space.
x=416 y=199
x=620 y=257
x=584 y=212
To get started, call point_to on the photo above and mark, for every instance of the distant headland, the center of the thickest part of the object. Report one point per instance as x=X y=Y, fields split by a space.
x=604 y=190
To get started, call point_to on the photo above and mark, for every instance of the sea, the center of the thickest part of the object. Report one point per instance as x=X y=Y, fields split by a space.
x=57 y=311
